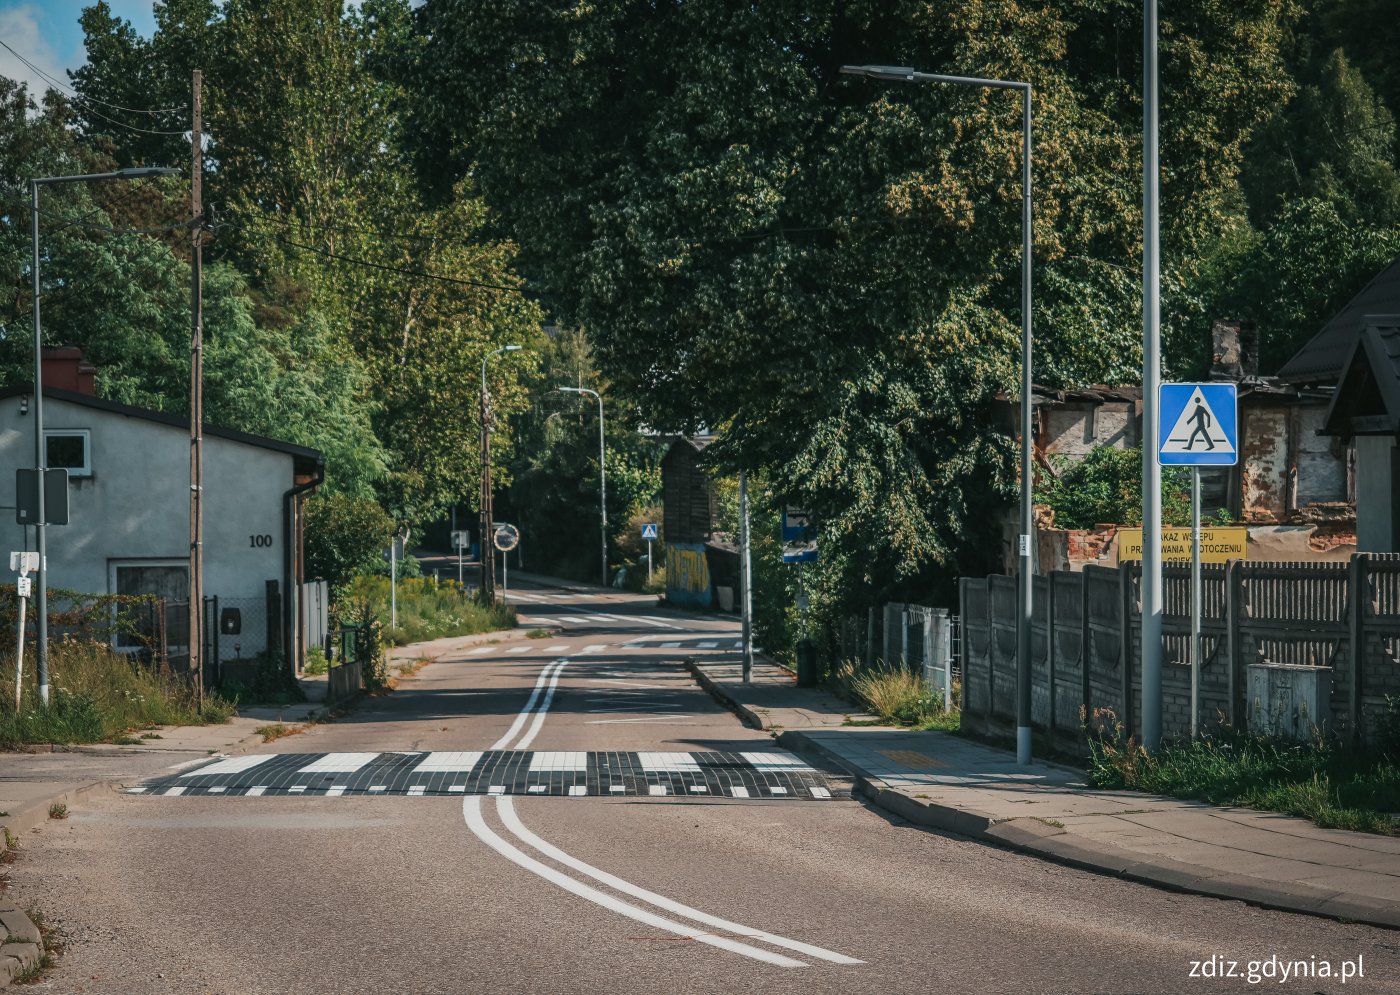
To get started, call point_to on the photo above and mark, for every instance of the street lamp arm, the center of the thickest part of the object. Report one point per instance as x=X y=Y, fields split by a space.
x=907 y=75
x=134 y=173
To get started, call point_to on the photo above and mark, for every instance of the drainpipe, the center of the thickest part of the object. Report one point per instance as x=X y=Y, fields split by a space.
x=290 y=593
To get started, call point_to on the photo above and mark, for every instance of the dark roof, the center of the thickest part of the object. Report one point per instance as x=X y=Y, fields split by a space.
x=1367 y=401
x=1328 y=351
x=303 y=456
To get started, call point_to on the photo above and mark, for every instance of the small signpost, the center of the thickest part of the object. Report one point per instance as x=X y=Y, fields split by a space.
x=24 y=563
x=650 y=533
x=799 y=539
x=506 y=538
x=1199 y=427
x=461 y=539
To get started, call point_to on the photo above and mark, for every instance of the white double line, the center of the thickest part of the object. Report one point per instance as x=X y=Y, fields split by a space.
x=505 y=809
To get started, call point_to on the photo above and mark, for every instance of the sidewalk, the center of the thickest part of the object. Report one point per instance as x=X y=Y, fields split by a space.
x=946 y=782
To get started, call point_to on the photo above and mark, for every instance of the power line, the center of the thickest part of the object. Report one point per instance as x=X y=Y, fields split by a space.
x=62 y=87
x=373 y=265
x=82 y=102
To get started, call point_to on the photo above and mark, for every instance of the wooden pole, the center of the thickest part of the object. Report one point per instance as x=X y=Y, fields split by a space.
x=196 y=586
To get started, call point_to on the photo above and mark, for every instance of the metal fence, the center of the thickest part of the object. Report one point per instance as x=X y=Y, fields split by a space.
x=1087 y=633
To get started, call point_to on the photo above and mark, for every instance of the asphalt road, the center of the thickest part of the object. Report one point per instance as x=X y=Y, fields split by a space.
x=600 y=893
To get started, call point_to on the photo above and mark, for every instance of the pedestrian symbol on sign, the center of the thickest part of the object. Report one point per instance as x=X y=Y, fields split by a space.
x=1199 y=423
x=649 y=531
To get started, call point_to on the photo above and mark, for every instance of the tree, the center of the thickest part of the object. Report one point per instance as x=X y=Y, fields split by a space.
x=828 y=270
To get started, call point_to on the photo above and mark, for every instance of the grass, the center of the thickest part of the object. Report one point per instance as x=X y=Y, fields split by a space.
x=100 y=696
x=427 y=611
x=58 y=810
x=537 y=634
x=277 y=730
x=316 y=662
x=1332 y=785
x=899 y=696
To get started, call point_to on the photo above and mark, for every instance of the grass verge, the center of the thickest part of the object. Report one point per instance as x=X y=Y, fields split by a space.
x=101 y=696
x=429 y=611
x=1334 y=786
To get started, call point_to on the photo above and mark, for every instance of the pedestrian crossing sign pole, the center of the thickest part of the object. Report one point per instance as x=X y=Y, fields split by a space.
x=1199 y=427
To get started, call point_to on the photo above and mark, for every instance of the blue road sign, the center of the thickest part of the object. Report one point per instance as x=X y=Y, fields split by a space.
x=1199 y=424
x=649 y=531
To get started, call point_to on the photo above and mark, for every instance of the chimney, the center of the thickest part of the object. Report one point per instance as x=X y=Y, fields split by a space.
x=68 y=369
x=1234 y=349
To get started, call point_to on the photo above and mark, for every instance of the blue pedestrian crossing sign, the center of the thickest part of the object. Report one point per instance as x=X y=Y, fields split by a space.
x=1199 y=424
x=649 y=531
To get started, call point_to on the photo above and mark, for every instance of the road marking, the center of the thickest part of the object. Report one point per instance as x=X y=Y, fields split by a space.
x=699 y=788
x=739 y=791
x=774 y=761
x=219 y=790
x=658 y=789
x=506 y=809
x=495 y=789
x=556 y=649
x=471 y=812
x=448 y=762
x=706 y=646
x=574 y=619
x=657 y=621
x=679 y=762
x=617 y=788
x=338 y=763
x=234 y=765
x=778 y=791
x=501 y=743
x=739 y=644
x=597 y=648
x=537 y=789
x=632 y=708
x=417 y=789
x=297 y=789
x=664 y=718
x=375 y=788
x=479 y=650
x=518 y=649
x=543 y=761
x=457 y=787
x=174 y=791
x=259 y=789
x=542 y=711
x=536 y=619
x=819 y=792
x=578 y=789
x=669 y=646
x=339 y=789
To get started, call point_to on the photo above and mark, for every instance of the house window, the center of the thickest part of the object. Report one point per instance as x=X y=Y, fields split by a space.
x=167 y=580
x=69 y=449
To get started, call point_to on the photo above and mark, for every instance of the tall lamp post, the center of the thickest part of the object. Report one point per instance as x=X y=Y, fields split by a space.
x=602 y=475
x=1025 y=541
x=488 y=549
x=41 y=601
x=1152 y=600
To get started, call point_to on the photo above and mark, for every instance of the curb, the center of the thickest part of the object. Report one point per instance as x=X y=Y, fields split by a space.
x=746 y=714
x=1040 y=839
x=22 y=948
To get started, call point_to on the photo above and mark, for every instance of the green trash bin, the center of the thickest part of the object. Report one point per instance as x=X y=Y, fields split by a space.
x=808 y=674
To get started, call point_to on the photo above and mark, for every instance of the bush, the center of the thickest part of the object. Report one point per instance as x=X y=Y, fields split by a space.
x=99 y=695
x=898 y=695
x=1334 y=786
x=1106 y=487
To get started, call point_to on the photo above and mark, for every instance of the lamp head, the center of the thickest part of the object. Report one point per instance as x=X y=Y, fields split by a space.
x=903 y=73
x=141 y=172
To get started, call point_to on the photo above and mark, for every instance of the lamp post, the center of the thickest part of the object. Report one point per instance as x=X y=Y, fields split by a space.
x=41 y=600
x=602 y=475
x=1152 y=599
x=488 y=550
x=1025 y=541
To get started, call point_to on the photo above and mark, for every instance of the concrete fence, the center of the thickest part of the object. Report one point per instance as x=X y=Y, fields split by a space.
x=1087 y=633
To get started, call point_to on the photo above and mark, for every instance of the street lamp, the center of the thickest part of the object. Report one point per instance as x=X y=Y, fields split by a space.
x=602 y=474
x=41 y=601
x=488 y=550
x=1025 y=542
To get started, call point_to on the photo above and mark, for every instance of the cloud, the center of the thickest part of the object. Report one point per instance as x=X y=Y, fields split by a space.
x=19 y=26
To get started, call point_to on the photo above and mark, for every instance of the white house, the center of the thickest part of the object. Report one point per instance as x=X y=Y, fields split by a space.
x=129 y=498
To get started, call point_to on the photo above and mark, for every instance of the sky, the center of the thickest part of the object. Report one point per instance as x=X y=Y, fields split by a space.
x=46 y=32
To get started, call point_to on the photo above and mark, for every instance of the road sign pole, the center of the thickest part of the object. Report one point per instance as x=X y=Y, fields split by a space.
x=1195 y=597
x=1151 y=412
x=648 y=561
x=745 y=577
x=505 y=578
x=19 y=652
x=459 y=564
x=394 y=582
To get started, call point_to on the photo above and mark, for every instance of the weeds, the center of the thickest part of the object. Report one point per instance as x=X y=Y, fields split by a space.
x=426 y=611
x=58 y=810
x=898 y=695
x=1334 y=786
x=537 y=634
x=277 y=730
x=99 y=695
x=316 y=662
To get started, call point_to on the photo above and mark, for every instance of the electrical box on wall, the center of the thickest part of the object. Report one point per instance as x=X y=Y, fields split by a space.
x=1288 y=700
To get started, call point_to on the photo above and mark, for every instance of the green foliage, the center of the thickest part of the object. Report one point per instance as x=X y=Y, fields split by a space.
x=1105 y=487
x=1334 y=786
x=344 y=536
x=100 y=696
x=425 y=611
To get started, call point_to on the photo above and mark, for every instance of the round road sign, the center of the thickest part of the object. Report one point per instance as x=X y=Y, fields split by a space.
x=507 y=538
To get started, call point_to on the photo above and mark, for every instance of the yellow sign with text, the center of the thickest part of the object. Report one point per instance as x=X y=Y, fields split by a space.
x=1217 y=544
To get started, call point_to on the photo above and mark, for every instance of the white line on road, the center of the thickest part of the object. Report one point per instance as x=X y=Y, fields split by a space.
x=669 y=646
x=479 y=650
x=574 y=619
x=556 y=649
x=338 y=763
x=519 y=649
x=471 y=812
x=598 y=648
x=234 y=765
x=671 y=719
x=706 y=646
x=536 y=619
x=506 y=809
x=520 y=719
x=543 y=710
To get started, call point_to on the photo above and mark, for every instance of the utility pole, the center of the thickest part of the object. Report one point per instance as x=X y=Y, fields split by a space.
x=1151 y=723
x=196 y=636
x=745 y=577
x=488 y=549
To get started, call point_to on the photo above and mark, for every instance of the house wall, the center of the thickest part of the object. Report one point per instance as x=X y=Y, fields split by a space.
x=1076 y=427
x=1375 y=494
x=135 y=506
x=687 y=497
